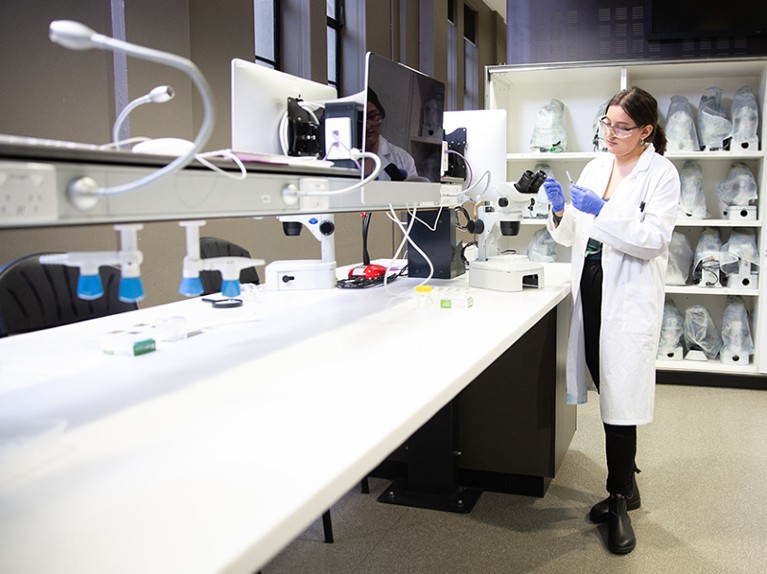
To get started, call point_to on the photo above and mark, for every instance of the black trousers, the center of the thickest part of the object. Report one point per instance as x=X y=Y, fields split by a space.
x=620 y=440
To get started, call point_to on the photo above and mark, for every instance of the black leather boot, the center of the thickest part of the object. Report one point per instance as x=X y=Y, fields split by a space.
x=599 y=511
x=620 y=534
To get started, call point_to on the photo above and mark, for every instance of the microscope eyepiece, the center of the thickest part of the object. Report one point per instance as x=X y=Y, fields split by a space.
x=538 y=179
x=530 y=182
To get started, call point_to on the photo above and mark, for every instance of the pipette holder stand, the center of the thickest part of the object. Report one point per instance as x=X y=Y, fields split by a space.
x=129 y=258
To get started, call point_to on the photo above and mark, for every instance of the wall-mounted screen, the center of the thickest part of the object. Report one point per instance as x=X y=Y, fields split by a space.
x=679 y=19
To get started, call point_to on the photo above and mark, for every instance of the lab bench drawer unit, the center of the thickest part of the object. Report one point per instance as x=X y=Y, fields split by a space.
x=583 y=88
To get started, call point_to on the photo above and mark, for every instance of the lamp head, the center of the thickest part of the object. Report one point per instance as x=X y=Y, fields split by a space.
x=161 y=94
x=71 y=34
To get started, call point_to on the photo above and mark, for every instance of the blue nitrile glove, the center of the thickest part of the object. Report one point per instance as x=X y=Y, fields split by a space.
x=586 y=200
x=554 y=193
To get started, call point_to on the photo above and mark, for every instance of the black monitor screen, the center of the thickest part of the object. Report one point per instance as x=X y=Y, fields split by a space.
x=680 y=19
x=403 y=120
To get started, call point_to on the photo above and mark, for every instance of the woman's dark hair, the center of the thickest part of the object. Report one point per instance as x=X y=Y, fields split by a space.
x=643 y=109
x=373 y=97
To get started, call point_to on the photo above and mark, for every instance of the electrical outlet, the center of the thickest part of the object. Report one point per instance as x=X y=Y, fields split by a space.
x=27 y=193
x=314 y=203
x=338 y=138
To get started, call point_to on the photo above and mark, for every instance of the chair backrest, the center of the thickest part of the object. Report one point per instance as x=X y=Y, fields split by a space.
x=34 y=296
x=215 y=247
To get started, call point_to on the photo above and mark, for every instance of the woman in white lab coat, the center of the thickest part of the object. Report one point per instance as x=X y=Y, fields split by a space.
x=619 y=224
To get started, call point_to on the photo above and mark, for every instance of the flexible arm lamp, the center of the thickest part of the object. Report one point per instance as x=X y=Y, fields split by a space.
x=158 y=95
x=84 y=191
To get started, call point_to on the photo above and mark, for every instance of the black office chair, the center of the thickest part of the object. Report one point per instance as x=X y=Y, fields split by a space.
x=215 y=247
x=34 y=296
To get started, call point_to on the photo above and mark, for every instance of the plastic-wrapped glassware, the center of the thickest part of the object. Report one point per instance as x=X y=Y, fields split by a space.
x=700 y=332
x=740 y=248
x=738 y=188
x=745 y=120
x=679 y=260
x=540 y=208
x=550 y=131
x=542 y=247
x=707 y=253
x=671 y=330
x=713 y=125
x=681 y=132
x=737 y=343
x=599 y=142
x=692 y=197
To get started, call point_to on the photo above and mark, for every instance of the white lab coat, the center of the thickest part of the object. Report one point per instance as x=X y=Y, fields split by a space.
x=634 y=259
x=390 y=153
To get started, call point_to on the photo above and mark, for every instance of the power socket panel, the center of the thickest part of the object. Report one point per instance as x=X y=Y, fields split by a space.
x=338 y=138
x=27 y=193
x=314 y=203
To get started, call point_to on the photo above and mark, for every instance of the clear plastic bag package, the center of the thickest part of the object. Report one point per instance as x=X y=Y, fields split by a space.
x=550 y=131
x=739 y=259
x=542 y=247
x=706 y=265
x=701 y=334
x=714 y=127
x=692 y=197
x=671 y=332
x=739 y=188
x=541 y=205
x=679 y=260
x=599 y=143
x=681 y=131
x=745 y=120
x=737 y=343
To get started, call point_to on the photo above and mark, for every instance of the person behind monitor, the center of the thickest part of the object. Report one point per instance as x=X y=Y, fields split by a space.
x=397 y=163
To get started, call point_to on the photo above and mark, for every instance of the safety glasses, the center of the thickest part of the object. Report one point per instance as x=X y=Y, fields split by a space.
x=374 y=119
x=617 y=131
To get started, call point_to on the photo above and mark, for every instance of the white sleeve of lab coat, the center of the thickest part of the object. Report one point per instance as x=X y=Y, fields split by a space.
x=565 y=231
x=643 y=234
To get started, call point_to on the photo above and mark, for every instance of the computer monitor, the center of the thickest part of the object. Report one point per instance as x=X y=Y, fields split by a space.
x=485 y=148
x=259 y=102
x=413 y=105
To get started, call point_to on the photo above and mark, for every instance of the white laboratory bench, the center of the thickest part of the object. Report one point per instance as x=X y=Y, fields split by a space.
x=212 y=453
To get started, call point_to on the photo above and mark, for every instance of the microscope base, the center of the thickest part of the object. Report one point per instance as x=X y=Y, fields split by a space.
x=505 y=275
x=695 y=355
x=676 y=355
x=735 y=212
x=730 y=357
x=298 y=274
x=743 y=281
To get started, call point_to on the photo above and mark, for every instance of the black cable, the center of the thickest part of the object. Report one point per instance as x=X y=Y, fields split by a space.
x=365 y=225
x=463 y=253
x=462 y=209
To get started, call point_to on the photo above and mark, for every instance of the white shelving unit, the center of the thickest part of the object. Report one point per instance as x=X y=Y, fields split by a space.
x=583 y=88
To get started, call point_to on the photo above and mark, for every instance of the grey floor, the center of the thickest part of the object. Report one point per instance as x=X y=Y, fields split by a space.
x=703 y=486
